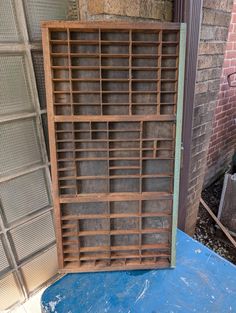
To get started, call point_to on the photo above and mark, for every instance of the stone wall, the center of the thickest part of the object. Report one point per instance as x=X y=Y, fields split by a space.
x=161 y=10
x=223 y=139
x=216 y=17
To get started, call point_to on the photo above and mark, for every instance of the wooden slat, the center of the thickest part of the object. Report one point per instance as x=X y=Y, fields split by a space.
x=102 y=216
x=161 y=246
x=113 y=118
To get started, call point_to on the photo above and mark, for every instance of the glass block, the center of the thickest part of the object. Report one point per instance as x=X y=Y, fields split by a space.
x=9 y=292
x=3 y=258
x=24 y=195
x=9 y=30
x=32 y=236
x=19 y=145
x=15 y=94
x=39 y=74
x=40 y=270
x=38 y=11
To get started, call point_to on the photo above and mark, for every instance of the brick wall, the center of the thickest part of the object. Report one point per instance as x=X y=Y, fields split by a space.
x=223 y=139
x=215 y=21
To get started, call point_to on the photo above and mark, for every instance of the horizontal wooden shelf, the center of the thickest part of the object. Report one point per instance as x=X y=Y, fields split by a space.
x=116 y=256
x=127 y=176
x=113 y=118
x=112 y=265
x=112 y=216
x=114 y=159
x=113 y=68
x=107 y=140
x=115 y=232
x=116 y=248
x=111 y=55
x=110 y=42
x=112 y=80
x=126 y=196
x=113 y=149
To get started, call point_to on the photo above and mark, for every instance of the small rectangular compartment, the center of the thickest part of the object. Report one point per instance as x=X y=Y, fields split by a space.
x=80 y=35
x=145 y=36
x=114 y=49
x=114 y=35
x=84 y=61
x=87 y=186
x=128 y=223
x=124 y=185
x=161 y=206
x=157 y=184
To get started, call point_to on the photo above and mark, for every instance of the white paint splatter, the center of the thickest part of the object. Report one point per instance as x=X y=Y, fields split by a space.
x=142 y=294
x=184 y=280
x=53 y=304
x=228 y=290
x=198 y=251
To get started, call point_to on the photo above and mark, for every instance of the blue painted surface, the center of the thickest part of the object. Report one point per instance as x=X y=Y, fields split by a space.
x=201 y=282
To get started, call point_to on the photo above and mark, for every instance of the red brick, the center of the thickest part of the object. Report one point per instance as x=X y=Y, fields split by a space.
x=233 y=62
x=233 y=20
x=222 y=122
x=224 y=87
x=232 y=37
x=229 y=46
x=220 y=115
x=226 y=107
x=218 y=110
x=229 y=93
x=233 y=98
x=214 y=124
x=229 y=70
x=223 y=102
x=231 y=27
x=230 y=54
x=234 y=8
x=222 y=79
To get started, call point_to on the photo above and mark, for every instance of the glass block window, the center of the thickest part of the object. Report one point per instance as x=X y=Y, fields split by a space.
x=9 y=28
x=15 y=94
x=19 y=145
x=27 y=239
x=20 y=197
x=37 y=11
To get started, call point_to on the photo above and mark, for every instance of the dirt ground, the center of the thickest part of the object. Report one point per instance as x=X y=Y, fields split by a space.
x=206 y=231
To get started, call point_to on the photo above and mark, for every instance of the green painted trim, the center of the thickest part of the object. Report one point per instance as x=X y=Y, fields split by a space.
x=178 y=141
